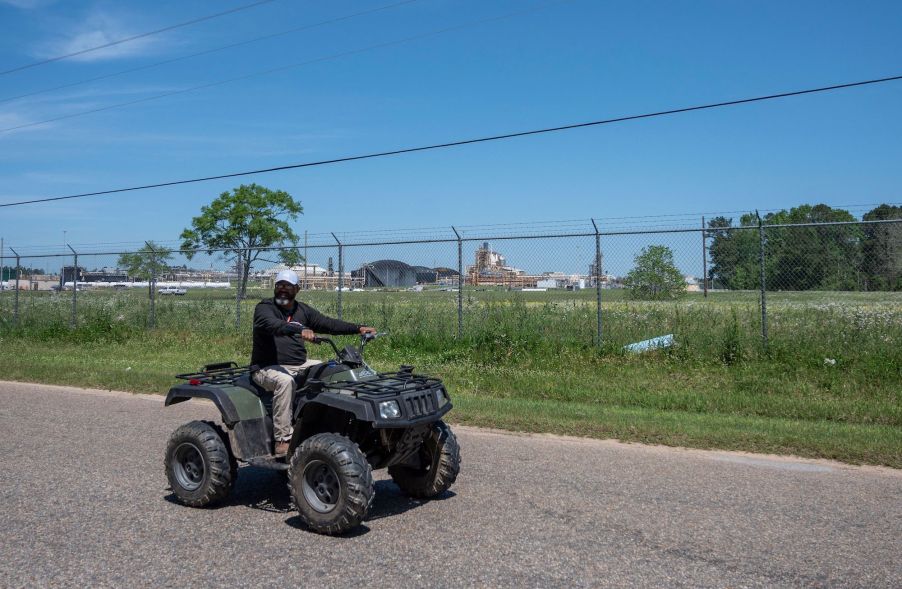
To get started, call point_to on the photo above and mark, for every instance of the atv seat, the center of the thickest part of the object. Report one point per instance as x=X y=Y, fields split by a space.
x=245 y=381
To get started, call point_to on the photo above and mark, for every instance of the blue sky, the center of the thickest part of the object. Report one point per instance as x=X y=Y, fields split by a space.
x=564 y=62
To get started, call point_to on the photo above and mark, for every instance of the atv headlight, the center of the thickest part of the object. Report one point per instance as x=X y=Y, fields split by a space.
x=389 y=410
x=441 y=398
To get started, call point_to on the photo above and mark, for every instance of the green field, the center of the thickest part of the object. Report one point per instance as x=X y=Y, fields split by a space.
x=828 y=385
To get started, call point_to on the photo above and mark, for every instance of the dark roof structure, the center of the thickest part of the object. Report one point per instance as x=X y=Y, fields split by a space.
x=397 y=274
x=386 y=273
x=425 y=275
x=446 y=272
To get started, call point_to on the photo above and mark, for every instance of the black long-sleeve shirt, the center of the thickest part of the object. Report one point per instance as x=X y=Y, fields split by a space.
x=276 y=336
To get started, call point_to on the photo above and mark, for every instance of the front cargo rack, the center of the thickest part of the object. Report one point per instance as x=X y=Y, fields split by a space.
x=223 y=373
x=405 y=383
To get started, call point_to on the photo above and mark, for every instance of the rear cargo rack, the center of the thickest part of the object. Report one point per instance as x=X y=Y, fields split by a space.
x=225 y=374
x=408 y=383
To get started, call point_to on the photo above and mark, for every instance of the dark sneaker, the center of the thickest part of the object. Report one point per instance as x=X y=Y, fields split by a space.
x=281 y=448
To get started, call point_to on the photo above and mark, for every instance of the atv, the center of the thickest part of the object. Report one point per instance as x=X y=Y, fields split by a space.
x=348 y=420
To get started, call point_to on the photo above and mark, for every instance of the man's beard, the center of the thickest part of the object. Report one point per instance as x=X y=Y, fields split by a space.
x=282 y=301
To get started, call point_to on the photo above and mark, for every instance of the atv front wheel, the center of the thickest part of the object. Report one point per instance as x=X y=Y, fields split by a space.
x=331 y=483
x=199 y=466
x=439 y=457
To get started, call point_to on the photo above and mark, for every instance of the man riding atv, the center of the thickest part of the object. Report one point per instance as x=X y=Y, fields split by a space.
x=347 y=420
x=281 y=325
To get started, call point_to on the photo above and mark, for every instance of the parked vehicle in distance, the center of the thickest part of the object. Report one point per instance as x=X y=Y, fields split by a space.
x=172 y=290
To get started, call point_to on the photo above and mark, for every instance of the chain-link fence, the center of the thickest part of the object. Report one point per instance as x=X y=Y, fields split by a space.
x=586 y=285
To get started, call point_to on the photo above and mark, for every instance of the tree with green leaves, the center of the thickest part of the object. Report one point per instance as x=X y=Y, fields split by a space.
x=812 y=258
x=734 y=253
x=654 y=276
x=242 y=224
x=881 y=249
x=825 y=257
x=9 y=272
x=146 y=263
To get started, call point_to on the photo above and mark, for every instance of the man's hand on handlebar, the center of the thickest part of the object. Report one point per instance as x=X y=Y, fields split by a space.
x=309 y=336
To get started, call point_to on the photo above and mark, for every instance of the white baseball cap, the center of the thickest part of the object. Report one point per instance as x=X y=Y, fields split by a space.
x=287 y=276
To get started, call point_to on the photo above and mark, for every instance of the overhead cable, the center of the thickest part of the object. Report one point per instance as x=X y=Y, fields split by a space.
x=464 y=141
x=134 y=37
x=209 y=51
x=283 y=68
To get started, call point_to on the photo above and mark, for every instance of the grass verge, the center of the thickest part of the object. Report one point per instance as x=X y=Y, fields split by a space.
x=758 y=406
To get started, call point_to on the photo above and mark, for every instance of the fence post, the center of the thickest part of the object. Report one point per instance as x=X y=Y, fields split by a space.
x=72 y=322
x=153 y=285
x=597 y=267
x=341 y=267
x=240 y=267
x=763 y=281
x=3 y=276
x=460 y=283
x=16 y=304
x=704 y=258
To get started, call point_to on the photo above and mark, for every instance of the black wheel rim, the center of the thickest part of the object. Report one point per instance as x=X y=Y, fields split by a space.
x=188 y=466
x=428 y=451
x=321 y=486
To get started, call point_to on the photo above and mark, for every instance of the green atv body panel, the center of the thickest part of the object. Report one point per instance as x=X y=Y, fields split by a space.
x=244 y=414
x=356 y=393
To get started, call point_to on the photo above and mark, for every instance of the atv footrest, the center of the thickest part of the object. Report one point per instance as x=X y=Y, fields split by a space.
x=270 y=462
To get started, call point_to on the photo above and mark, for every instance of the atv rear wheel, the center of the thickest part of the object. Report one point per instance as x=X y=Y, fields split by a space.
x=331 y=483
x=439 y=465
x=199 y=466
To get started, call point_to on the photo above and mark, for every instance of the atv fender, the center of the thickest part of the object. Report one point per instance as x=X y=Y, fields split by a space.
x=250 y=432
x=361 y=411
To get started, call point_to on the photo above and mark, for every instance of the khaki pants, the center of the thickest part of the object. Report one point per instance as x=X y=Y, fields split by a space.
x=280 y=380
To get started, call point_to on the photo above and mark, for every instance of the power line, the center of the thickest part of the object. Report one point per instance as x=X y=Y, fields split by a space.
x=209 y=51
x=463 y=142
x=284 y=67
x=135 y=37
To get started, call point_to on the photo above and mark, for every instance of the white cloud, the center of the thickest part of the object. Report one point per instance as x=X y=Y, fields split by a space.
x=27 y=4
x=99 y=29
x=48 y=108
x=11 y=120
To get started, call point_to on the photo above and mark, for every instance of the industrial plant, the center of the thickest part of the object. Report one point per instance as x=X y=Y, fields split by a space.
x=490 y=268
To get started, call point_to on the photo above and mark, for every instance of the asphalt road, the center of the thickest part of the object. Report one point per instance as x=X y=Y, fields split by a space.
x=84 y=502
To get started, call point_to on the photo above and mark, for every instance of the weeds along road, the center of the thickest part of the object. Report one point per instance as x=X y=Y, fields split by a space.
x=84 y=502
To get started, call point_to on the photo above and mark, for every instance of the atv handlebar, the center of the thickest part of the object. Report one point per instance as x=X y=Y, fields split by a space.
x=324 y=340
x=368 y=337
x=365 y=338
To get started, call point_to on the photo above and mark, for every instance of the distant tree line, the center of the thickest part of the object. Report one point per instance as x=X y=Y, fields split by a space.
x=845 y=257
x=9 y=272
